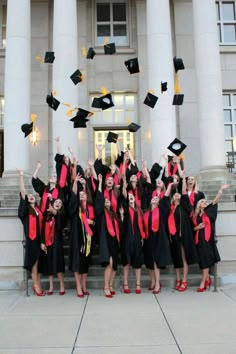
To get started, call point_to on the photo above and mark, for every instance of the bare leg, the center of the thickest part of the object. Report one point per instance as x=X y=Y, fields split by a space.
x=61 y=281
x=112 y=277
x=138 y=280
x=50 y=278
x=205 y=277
x=152 y=278
x=107 y=275
x=84 y=282
x=78 y=283
x=185 y=269
x=35 y=277
x=125 y=276
x=157 y=278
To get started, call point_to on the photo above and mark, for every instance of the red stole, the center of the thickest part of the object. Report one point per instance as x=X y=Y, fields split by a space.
x=207 y=229
x=171 y=221
x=44 y=198
x=155 y=215
x=111 y=197
x=93 y=183
x=160 y=195
x=63 y=175
x=49 y=231
x=112 y=225
x=85 y=219
x=140 y=221
x=121 y=167
x=33 y=223
x=191 y=197
x=136 y=196
x=175 y=169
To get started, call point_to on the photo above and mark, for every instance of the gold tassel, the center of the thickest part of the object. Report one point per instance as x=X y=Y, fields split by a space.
x=33 y=117
x=88 y=245
x=84 y=52
x=40 y=59
x=177 y=88
x=106 y=39
x=70 y=112
x=104 y=91
x=54 y=93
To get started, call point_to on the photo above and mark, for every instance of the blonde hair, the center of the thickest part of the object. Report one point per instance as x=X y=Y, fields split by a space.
x=197 y=209
x=195 y=188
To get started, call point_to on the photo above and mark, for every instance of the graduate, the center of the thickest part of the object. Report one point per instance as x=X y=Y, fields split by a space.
x=31 y=218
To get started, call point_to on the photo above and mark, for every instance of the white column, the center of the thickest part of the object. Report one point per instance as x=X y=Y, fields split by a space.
x=209 y=86
x=66 y=63
x=17 y=87
x=160 y=68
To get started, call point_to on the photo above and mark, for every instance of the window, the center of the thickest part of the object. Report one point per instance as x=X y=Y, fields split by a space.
x=229 y=106
x=226 y=21
x=3 y=25
x=112 y=22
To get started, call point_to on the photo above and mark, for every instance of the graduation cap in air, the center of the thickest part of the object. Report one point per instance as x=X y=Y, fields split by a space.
x=133 y=127
x=91 y=53
x=52 y=102
x=132 y=65
x=150 y=100
x=177 y=147
x=48 y=58
x=27 y=128
x=109 y=48
x=77 y=77
x=103 y=102
x=178 y=64
x=80 y=118
x=163 y=87
x=178 y=99
x=112 y=137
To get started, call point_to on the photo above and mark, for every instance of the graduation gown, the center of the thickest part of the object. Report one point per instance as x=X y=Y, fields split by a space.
x=42 y=189
x=184 y=235
x=156 y=244
x=207 y=250
x=32 y=246
x=78 y=260
x=108 y=244
x=52 y=262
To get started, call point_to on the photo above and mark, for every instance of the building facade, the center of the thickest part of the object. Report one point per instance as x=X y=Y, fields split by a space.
x=201 y=32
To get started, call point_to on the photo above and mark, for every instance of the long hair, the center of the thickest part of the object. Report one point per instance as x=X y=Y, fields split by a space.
x=197 y=209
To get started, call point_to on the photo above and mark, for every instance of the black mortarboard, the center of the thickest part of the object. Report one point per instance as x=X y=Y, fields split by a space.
x=176 y=146
x=132 y=65
x=76 y=77
x=27 y=128
x=80 y=118
x=178 y=64
x=163 y=86
x=178 y=99
x=133 y=127
x=150 y=100
x=103 y=102
x=91 y=53
x=52 y=102
x=49 y=57
x=109 y=48
x=155 y=171
x=112 y=137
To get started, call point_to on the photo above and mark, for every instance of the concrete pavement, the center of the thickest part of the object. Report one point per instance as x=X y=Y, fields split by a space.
x=167 y=323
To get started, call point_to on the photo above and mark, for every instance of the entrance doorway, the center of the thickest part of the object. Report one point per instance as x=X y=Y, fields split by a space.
x=109 y=153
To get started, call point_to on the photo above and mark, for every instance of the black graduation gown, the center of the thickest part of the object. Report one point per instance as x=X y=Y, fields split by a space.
x=108 y=245
x=78 y=261
x=131 y=245
x=197 y=196
x=53 y=261
x=40 y=187
x=184 y=235
x=59 y=159
x=207 y=251
x=32 y=247
x=156 y=246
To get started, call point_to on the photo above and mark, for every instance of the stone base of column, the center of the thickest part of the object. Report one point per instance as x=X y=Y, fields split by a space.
x=11 y=178
x=214 y=173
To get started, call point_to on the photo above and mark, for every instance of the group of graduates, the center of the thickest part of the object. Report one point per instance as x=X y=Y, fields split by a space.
x=156 y=217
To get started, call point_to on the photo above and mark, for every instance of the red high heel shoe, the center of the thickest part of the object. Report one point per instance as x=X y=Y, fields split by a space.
x=178 y=284
x=126 y=289
x=42 y=293
x=62 y=292
x=80 y=295
x=138 y=290
x=86 y=292
x=208 y=283
x=50 y=292
x=151 y=287
x=183 y=286
x=107 y=295
x=200 y=290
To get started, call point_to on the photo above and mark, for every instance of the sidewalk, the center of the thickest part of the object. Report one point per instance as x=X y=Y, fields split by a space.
x=167 y=323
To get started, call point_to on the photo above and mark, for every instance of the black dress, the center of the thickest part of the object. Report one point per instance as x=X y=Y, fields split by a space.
x=156 y=245
x=184 y=235
x=52 y=262
x=207 y=250
x=78 y=260
x=108 y=245
x=32 y=244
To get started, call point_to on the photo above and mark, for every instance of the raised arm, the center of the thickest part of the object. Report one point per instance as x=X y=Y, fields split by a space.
x=118 y=148
x=91 y=165
x=38 y=166
x=145 y=171
x=58 y=145
x=22 y=185
x=99 y=150
x=100 y=182
x=219 y=194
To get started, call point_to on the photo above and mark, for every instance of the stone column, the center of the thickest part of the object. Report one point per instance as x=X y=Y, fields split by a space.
x=160 y=68
x=209 y=88
x=17 y=89
x=65 y=47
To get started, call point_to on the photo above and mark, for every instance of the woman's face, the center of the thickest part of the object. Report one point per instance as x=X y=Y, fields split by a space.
x=126 y=153
x=109 y=182
x=31 y=198
x=203 y=204
x=53 y=179
x=191 y=180
x=107 y=203
x=82 y=196
x=66 y=160
x=131 y=198
x=159 y=183
x=88 y=172
x=134 y=178
x=155 y=200
x=176 y=196
x=175 y=178
x=57 y=205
